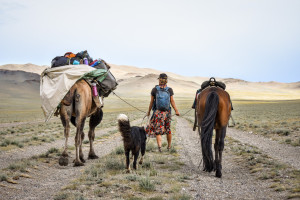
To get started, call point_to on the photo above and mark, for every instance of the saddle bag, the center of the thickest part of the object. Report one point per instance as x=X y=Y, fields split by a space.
x=109 y=83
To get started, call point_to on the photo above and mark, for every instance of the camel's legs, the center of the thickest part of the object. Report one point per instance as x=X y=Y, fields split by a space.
x=81 y=156
x=65 y=115
x=78 y=142
x=95 y=119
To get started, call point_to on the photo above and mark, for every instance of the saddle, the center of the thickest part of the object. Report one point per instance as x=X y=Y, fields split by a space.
x=212 y=82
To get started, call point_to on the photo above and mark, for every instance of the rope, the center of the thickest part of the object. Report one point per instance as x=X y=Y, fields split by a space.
x=186 y=112
x=129 y=103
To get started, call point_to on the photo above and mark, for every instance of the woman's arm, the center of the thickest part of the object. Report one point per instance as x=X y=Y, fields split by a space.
x=150 y=105
x=174 y=106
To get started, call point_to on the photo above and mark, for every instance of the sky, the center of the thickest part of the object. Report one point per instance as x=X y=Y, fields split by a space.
x=253 y=40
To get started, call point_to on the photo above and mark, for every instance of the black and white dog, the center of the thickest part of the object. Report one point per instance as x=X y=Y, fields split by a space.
x=134 y=140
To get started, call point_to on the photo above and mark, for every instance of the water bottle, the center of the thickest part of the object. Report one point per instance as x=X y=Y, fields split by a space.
x=94 y=89
x=85 y=61
x=75 y=62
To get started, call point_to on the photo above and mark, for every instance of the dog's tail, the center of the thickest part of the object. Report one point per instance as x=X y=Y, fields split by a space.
x=124 y=127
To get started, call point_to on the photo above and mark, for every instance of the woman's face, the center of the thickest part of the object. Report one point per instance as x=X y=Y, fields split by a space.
x=163 y=81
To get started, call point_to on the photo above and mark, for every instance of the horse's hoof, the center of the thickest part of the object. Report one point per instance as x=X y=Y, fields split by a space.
x=141 y=162
x=78 y=164
x=93 y=156
x=218 y=174
x=63 y=161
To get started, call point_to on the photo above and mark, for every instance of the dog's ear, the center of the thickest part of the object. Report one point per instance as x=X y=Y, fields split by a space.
x=142 y=129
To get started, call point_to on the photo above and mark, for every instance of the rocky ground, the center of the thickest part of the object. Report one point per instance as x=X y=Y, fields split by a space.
x=237 y=183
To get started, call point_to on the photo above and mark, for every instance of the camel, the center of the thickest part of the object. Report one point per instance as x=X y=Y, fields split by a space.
x=76 y=106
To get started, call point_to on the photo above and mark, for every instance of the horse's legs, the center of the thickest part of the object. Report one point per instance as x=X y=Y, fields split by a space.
x=195 y=122
x=220 y=151
x=78 y=143
x=95 y=119
x=216 y=146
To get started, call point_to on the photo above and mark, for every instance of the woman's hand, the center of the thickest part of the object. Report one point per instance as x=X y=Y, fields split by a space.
x=177 y=113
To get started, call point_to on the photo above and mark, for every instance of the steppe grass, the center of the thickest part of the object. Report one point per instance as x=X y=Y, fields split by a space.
x=280 y=176
x=152 y=180
x=279 y=120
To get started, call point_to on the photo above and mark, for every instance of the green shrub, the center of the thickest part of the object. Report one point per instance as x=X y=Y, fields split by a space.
x=132 y=178
x=120 y=150
x=61 y=196
x=53 y=150
x=145 y=184
x=180 y=197
x=3 y=177
x=5 y=143
x=114 y=164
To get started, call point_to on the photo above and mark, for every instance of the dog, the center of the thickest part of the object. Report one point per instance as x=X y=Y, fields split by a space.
x=134 y=139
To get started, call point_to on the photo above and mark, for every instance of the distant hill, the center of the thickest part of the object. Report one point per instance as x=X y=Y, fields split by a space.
x=134 y=81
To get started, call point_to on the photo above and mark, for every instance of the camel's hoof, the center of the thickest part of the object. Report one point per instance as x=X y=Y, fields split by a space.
x=93 y=156
x=64 y=154
x=63 y=161
x=78 y=164
x=218 y=174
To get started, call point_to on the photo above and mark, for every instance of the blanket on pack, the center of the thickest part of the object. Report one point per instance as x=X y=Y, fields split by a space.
x=56 y=82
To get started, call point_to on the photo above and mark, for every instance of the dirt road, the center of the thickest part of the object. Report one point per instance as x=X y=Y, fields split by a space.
x=236 y=183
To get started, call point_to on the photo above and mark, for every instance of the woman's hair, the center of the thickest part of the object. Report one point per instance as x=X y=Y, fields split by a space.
x=163 y=79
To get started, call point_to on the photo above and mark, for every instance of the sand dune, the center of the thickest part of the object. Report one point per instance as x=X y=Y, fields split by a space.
x=134 y=81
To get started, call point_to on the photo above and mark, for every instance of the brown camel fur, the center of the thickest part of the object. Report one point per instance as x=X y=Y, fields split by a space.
x=213 y=110
x=76 y=106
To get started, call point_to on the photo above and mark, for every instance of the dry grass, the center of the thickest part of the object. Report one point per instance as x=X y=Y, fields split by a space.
x=280 y=176
x=108 y=178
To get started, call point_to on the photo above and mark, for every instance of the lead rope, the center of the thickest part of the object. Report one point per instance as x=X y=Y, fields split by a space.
x=129 y=103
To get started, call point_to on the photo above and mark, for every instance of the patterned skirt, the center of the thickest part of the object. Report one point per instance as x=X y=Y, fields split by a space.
x=159 y=124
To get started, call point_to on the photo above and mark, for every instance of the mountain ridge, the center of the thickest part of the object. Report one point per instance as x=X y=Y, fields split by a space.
x=135 y=82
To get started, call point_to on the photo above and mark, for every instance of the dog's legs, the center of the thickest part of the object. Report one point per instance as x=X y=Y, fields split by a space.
x=136 y=155
x=127 y=160
x=143 y=150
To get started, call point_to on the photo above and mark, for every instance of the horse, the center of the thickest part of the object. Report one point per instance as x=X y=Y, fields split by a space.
x=213 y=109
x=76 y=106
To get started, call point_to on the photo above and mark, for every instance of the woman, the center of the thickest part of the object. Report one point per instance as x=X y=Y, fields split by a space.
x=160 y=123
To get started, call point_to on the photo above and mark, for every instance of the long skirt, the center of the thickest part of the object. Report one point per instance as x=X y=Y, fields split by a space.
x=160 y=123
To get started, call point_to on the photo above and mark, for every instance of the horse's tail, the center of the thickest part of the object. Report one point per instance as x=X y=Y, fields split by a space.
x=124 y=127
x=207 y=126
